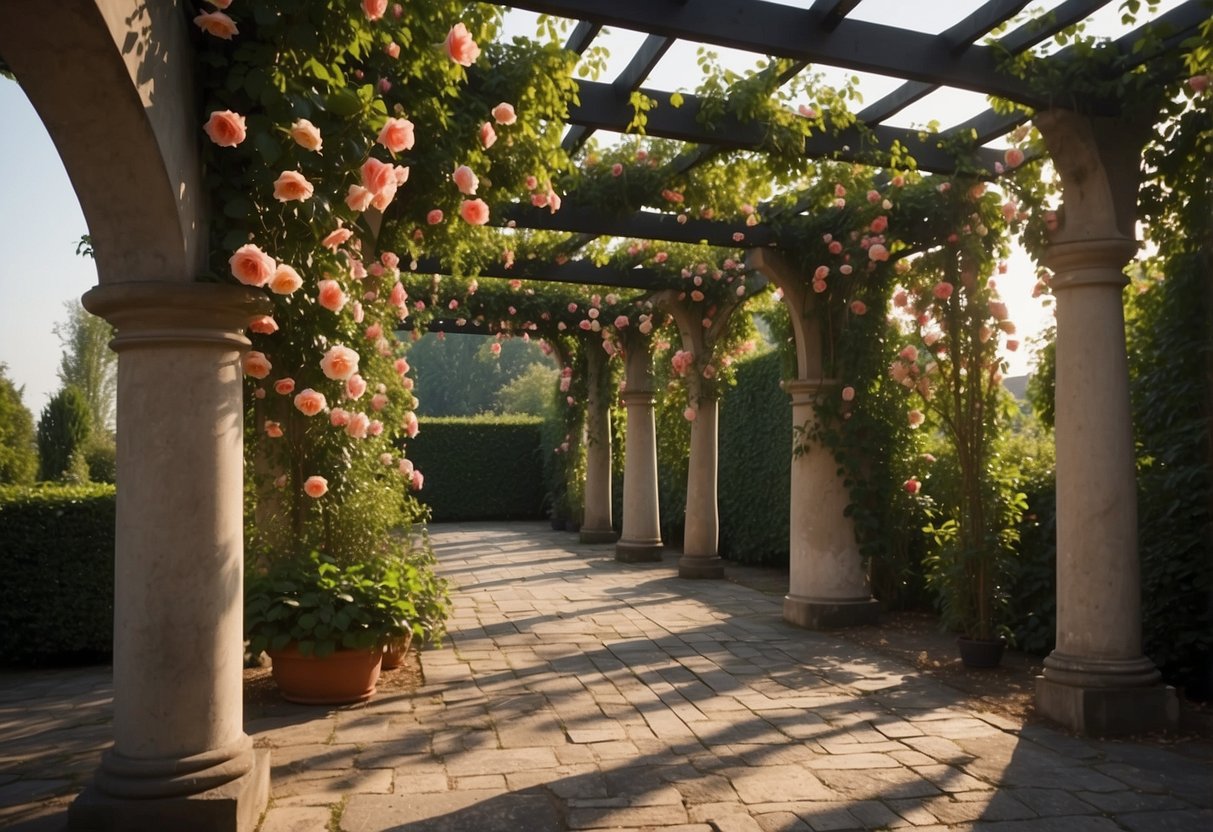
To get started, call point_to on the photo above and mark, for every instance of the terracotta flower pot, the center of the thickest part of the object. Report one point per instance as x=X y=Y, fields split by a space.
x=336 y=679
x=395 y=653
x=981 y=652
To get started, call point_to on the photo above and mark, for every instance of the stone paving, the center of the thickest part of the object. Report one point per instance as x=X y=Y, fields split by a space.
x=576 y=693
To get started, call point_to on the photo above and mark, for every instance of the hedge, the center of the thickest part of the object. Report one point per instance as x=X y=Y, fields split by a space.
x=57 y=553
x=755 y=464
x=481 y=467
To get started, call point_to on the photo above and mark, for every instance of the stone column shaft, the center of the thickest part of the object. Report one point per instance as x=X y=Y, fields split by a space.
x=596 y=524
x=700 y=553
x=180 y=758
x=828 y=585
x=641 y=537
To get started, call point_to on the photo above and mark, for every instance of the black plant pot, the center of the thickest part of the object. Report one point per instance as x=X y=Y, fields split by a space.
x=981 y=652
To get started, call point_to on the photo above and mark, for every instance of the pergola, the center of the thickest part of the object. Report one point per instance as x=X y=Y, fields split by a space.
x=180 y=748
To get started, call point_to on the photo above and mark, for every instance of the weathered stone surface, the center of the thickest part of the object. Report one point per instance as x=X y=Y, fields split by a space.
x=451 y=812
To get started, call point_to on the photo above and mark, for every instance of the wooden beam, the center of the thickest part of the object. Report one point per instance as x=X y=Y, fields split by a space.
x=582 y=36
x=644 y=225
x=582 y=272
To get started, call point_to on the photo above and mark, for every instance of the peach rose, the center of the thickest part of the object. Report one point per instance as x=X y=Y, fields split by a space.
x=339 y=363
x=416 y=480
x=383 y=199
x=376 y=175
x=256 y=364
x=315 y=487
x=222 y=26
x=488 y=136
x=263 y=325
x=273 y=429
x=336 y=238
x=434 y=217
x=285 y=280
x=474 y=211
x=392 y=50
x=465 y=180
x=374 y=9
x=309 y=402
x=306 y=135
x=355 y=386
x=504 y=113
x=225 y=128
x=252 y=266
x=397 y=135
x=460 y=47
x=358 y=198
x=358 y=425
x=330 y=295
x=878 y=253
x=291 y=185
x=378 y=402
x=1014 y=157
x=284 y=386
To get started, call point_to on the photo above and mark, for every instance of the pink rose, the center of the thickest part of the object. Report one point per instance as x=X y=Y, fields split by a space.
x=397 y=135
x=217 y=24
x=848 y=394
x=858 y=307
x=336 y=238
x=306 y=135
x=315 y=487
x=621 y=321
x=309 y=402
x=465 y=180
x=384 y=198
x=878 y=253
x=416 y=480
x=374 y=9
x=284 y=386
x=358 y=425
x=377 y=176
x=943 y=290
x=263 y=325
x=359 y=198
x=879 y=224
x=689 y=414
x=1014 y=157
x=285 y=280
x=495 y=348
x=554 y=203
x=434 y=217
x=401 y=365
x=1198 y=83
x=912 y=485
x=339 y=417
x=378 y=402
x=460 y=47
x=488 y=136
x=330 y=295
x=273 y=429
x=251 y=266
x=806 y=111
x=617 y=170
x=256 y=364
x=374 y=428
x=504 y=113
x=474 y=211
x=355 y=386
x=225 y=128
x=291 y=185
x=339 y=363
x=915 y=418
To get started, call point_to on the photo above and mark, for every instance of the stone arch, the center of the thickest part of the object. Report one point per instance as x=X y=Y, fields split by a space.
x=112 y=82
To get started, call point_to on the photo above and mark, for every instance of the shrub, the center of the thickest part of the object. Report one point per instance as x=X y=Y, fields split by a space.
x=57 y=545
x=18 y=451
x=63 y=428
x=481 y=467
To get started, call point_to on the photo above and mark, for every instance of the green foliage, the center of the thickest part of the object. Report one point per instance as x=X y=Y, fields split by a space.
x=18 y=447
x=57 y=553
x=322 y=605
x=481 y=468
x=88 y=363
x=531 y=393
x=459 y=374
x=64 y=427
x=101 y=457
x=755 y=464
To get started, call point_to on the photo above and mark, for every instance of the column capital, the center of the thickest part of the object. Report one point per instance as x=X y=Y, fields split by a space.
x=1090 y=261
x=802 y=390
x=153 y=314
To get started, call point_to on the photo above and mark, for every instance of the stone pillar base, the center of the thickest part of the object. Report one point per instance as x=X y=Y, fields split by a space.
x=829 y=615
x=697 y=567
x=638 y=551
x=235 y=806
x=598 y=535
x=1101 y=712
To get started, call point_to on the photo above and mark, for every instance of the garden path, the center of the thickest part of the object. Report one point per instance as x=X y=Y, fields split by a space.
x=579 y=693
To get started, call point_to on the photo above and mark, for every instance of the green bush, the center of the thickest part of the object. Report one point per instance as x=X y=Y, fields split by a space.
x=57 y=546
x=755 y=464
x=481 y=467
x=64 y=428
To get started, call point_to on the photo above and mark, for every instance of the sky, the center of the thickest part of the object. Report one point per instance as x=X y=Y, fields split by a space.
x=41 y=221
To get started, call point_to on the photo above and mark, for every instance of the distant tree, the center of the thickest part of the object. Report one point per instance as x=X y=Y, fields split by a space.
x=88 y=363
x=533 y=392
x=18 y=449
x=460 y=375
x=63 y=434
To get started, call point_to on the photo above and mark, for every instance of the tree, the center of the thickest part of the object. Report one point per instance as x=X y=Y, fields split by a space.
x=89 y=364
x=533 y=392
x=63 y=433
x=18 y=451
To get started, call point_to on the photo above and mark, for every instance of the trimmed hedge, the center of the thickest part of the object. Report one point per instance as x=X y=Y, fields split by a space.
x=57 y=555
x=481 y=467
x=755 y=464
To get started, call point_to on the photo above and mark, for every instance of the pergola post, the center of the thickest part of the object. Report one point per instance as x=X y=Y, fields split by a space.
x=828 y=582
x=180 y=758
x=641 y=537
x=1096 y=681
x=596 y=524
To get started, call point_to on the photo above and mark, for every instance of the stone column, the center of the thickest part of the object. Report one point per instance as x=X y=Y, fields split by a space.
x=180 y=759
x=700 y=554
x=641 y=538
x=1096 y=681
x=596 y=523
x=828 y=584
